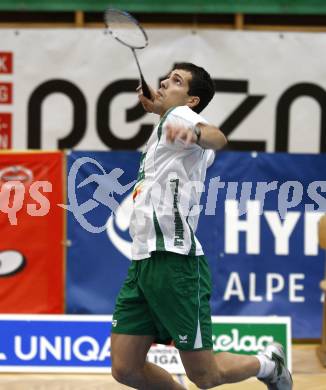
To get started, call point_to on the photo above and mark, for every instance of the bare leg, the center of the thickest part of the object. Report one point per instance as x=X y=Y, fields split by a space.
x=207 y=370
x=236 y=368
x=129 y=366
x=159 y=379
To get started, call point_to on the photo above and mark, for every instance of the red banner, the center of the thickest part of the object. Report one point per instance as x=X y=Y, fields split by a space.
x=32 y=233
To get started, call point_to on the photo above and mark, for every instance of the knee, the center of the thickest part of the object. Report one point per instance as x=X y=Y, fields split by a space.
x=205 y=379
x=123 y=374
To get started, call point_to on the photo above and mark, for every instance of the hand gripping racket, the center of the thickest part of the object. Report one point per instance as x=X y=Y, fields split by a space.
x=127 y=30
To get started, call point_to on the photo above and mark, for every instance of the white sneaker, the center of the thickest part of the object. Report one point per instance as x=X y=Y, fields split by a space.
x=280 y=379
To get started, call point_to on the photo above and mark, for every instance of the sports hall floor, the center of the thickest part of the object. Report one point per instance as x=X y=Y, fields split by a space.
x=308 y=374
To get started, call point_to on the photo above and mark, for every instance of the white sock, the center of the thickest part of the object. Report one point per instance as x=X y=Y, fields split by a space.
x=266 y=366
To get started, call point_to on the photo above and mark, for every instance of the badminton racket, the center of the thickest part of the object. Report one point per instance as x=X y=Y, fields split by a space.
x=127 y=30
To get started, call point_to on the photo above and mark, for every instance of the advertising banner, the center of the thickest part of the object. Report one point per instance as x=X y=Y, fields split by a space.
x=87 y=100
x=55 y=343
x=82 y=344
x=32 y=233
x=249 y=335
x=6 y=99
x=258 y=228
x=99 y=241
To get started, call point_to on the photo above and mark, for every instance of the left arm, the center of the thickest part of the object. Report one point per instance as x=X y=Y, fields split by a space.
x=210 y=136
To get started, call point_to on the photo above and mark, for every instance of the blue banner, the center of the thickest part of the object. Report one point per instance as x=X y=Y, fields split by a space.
x=267 y=261
x=55 y=343
x=258 y=227
x=96 y=267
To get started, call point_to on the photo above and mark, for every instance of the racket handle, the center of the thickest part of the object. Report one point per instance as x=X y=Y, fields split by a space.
x=144 y=86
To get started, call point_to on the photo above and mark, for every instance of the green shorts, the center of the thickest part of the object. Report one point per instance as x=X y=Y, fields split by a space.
x=167 y=296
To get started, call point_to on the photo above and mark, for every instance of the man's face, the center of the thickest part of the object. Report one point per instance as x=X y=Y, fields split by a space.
x=173 y=91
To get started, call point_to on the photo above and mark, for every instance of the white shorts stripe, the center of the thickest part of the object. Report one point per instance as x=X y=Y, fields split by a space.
x=198 y=341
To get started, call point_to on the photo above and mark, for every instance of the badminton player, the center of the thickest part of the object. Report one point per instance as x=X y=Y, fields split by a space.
x=165 y=296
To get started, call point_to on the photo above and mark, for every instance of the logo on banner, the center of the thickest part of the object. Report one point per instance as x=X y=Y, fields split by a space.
x=167 y=357
x=5 y=93
x=107 y=136
x=236 y=342
x=11 y=262
x=249 y=335
x=5 y=131
x=84 y=348
x=16 y=173
x=107 y=185
x=119 y=222
x=6 y=62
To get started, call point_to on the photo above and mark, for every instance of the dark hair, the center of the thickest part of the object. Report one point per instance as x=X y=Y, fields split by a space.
x=201 y=84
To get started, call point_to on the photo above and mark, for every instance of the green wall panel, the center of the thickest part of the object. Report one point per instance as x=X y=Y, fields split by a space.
x=177 y=6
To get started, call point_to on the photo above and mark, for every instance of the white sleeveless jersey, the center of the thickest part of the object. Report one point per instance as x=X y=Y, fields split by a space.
x=168 y=189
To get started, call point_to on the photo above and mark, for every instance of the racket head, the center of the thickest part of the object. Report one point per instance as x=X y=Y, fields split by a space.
x=125 y=28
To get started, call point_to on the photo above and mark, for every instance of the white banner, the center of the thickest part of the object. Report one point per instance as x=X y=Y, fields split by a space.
x=75 y=88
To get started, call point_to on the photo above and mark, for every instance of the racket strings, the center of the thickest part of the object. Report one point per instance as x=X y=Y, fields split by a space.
x=125 y=29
